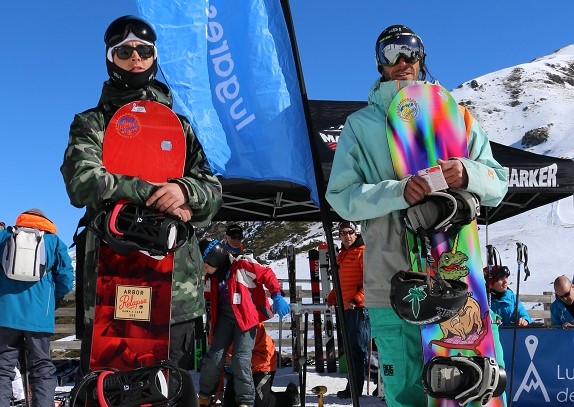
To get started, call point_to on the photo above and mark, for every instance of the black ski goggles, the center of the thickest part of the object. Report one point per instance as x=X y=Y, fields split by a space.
x=126 y=51
x=120 y=29
x=408 y=46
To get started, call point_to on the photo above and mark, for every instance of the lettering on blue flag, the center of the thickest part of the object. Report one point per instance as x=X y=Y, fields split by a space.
x=230 y=67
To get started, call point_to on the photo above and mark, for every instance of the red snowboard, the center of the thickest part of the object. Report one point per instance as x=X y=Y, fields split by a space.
x=133 y=292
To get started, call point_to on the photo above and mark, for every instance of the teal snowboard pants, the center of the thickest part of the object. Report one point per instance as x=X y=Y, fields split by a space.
x=400 y=358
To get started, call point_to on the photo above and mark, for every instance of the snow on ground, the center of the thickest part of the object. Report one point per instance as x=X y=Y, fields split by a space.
x=333 y=381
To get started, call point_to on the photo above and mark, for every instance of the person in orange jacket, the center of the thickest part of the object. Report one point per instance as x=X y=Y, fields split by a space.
x=350 y=261
x=263 y=366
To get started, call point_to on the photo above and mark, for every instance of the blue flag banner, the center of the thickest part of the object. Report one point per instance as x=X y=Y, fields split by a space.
x=231 y=69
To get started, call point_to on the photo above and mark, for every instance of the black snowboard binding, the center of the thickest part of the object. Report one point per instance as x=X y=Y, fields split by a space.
x=159 y=385
x=127 y=227
x=442 y=210
x=464 y=378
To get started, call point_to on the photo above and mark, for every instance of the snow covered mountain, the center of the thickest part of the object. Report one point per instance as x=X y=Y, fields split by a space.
x=528 y=106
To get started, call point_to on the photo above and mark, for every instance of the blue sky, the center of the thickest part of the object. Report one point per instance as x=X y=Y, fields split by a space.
x=53 y=66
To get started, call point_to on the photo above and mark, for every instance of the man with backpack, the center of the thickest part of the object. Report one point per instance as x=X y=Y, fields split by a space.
x=36 y=272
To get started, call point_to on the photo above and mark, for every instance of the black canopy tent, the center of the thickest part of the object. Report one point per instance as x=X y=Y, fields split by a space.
x=534 y=180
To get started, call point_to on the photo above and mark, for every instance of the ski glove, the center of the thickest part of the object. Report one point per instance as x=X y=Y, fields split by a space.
x=280 y=306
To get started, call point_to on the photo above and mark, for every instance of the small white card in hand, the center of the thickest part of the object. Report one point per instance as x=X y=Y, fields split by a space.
x=434 y=177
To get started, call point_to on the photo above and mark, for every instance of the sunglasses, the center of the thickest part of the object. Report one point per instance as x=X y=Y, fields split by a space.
x=563 y=297
x=211 y=265
x=236 y=237
x=346 y=232
x=391 y=49
x=126 y=51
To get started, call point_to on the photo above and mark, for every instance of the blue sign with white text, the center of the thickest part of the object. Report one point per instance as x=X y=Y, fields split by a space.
x=543 y=366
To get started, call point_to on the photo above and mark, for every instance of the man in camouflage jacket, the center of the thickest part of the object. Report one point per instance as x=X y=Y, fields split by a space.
x=195 y=197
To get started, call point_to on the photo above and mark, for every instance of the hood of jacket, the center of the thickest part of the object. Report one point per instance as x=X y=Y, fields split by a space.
x=35 y=220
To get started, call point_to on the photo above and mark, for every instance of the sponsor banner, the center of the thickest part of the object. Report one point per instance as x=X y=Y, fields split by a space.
x=230 y=67
x=543 y=366
x=533 y=177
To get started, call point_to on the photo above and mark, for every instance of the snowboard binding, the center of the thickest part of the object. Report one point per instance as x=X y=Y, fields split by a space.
x=422 y=299
x=442 y=210
x=127 y=227
x=144 y=386
x=464 y=378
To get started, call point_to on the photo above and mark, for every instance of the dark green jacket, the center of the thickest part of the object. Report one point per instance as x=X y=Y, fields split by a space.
x=89 y=184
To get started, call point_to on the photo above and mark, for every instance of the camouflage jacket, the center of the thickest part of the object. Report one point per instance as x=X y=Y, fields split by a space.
x=89 y=184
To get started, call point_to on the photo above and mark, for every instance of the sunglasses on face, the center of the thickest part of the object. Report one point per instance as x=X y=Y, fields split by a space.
x=390 y=50
x=563 y=297
x=126 y=51
x=236 y=237
x=346 y=233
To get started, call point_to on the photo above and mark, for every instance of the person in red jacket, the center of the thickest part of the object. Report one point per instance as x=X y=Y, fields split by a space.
x=238 y=305
x=350 y=261
x=263 y=366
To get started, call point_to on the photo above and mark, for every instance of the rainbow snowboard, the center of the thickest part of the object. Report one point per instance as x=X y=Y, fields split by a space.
x=144 y=139
x=424 y=123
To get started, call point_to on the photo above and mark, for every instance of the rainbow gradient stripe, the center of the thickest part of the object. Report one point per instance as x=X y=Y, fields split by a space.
x=424 y=123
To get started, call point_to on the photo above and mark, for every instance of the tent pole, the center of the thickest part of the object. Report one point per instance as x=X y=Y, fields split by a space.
x=324 y=207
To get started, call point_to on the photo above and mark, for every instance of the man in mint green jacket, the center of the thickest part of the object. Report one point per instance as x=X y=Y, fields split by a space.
x=362 y=187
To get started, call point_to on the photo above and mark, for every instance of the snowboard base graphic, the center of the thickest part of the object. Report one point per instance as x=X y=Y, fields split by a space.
x=424 y=123
x=144 y=139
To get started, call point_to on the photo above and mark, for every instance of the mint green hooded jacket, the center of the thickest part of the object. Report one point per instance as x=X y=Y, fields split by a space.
x=362 y=186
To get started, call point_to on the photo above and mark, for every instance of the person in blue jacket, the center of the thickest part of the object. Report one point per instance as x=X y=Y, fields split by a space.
x=503 y=299
x=28 y=313
x=562 y=308
x=363 y=187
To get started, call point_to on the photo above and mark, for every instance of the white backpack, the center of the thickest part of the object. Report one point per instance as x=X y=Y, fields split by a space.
x=24 y=256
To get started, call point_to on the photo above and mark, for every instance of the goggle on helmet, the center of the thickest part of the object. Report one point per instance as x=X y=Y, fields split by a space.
x=120 y=28
x=397 y=41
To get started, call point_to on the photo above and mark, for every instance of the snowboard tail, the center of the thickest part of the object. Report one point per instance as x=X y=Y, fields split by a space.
x=424 y=124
